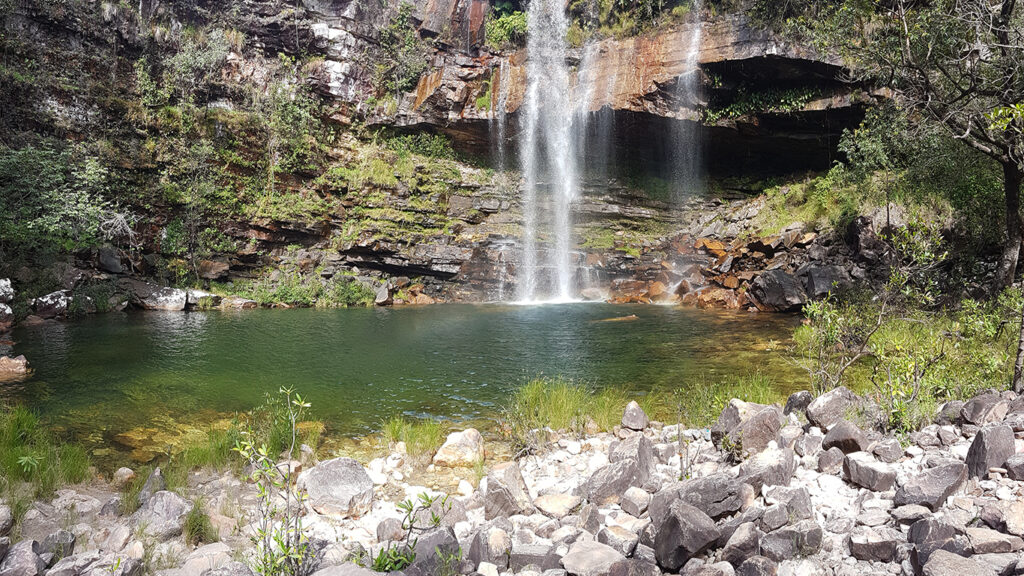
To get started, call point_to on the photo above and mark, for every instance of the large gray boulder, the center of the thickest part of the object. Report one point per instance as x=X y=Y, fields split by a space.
x=801 y=539
x=747 y=427
x=744 y=543
x=862 y=469
x=96 y=563
x=984 y=409
x=492 y=545
x=607 y=485
x=932 y=487
x=636 y=447
x=930 y=534
x=162 y=516
x=338 y=487
x=717 y=495
x=52 y=305
x=153 y=297
x=991 y=447
x=507 y=494
x=943 y=563
x=847 y=437
x=589 y=558
x=778 y=291
x=435 y=549
x=757 y=566
x=23 y=560
x=685 y=532
x=831 y=407
x=772 y=467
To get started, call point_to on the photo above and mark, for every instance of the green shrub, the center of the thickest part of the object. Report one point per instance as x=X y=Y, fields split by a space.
x=505 y=30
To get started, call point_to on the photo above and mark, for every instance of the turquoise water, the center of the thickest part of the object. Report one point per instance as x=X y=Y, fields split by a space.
x=113 y=373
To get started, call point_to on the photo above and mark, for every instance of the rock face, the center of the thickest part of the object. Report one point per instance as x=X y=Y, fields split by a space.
x=338 y=487
x=464 y=448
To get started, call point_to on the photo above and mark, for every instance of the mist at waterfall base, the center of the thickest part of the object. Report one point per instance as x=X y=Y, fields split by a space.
x=566 y=148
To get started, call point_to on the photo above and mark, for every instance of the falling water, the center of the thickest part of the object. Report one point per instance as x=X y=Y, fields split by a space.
x=547 y=155
x=498 y=114
x=686 y=145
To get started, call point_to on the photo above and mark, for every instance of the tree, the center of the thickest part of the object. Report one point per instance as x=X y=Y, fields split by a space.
x=957 y=63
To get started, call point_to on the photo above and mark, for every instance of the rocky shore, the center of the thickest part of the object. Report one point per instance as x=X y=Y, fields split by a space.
x=805 y=489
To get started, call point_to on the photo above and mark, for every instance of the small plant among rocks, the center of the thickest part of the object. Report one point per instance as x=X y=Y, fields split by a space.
x=281 y=545
x=397 y=556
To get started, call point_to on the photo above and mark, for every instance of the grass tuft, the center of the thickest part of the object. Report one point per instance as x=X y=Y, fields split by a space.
x=421 y=437
x=197 y=528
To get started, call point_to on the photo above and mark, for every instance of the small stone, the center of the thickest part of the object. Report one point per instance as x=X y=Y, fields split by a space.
x=122 y=477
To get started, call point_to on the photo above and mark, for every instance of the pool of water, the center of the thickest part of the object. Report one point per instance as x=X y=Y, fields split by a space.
x=124 y=380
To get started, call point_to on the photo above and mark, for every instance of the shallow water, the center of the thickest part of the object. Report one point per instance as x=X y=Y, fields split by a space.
x=152 y=374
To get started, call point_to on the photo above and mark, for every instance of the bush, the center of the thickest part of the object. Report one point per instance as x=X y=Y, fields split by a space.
x=403 y=54
x=505 y=30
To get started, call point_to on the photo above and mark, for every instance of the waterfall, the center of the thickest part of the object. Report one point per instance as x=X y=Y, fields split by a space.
x=547 y=156
x=498 y=116
x=687 y=154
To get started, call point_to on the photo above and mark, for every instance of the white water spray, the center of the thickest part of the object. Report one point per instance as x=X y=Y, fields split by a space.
x=687 y=150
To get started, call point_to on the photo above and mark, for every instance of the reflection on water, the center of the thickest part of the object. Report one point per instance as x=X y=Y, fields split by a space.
x=110 y=374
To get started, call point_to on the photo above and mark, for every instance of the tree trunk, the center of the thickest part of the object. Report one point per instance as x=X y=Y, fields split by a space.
x=1012 y=177
x=1017 y=385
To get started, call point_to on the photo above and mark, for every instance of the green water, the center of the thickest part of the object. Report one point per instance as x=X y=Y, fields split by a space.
x=114 y=373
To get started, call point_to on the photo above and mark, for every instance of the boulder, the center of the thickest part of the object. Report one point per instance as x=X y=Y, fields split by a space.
x=507 y=494
x=777 y=291
x=847 y=437
x=434 y=549
x=943 y=563
x=1005 y=516
x=384 y=296
x=636 y=447
x=53 y=305
x=23 y=559
x=984 y=409
x=635 y=501
x=162 y=516
x=747 y=427
x=152 y=297
x=628 y=567
x=109 y=260
x=557 y=505
x=932 y=487
x=492 y=545
x=59 y=544
x=607 y=485
x=772 y=467
x=988 y=541
x=6 y=520
x=888 y=449
x=1015 y=467
x=992 y=447
x=875 y=544
x=634 y=417
x=208 y=557
x=808 y=445
x=589 y=558
x=795 y=501
x=13 y=368
x=154 y=483
x=685 y=532
x=831 y=407
x=930 y=534
x=757 y=566
x=801 y=539
x=910 y=513
x=464 y=448
x=821 y=280
x=95 y=563
x=862 y=469
x=717 y=495
x=744 y=543
x=538 y=554
x=338 y=487
x=122 y=477
x=618 y=538
x=390 y=530
x=798 y=403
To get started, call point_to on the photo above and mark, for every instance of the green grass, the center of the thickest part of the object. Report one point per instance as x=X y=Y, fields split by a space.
x=699 y=404
x=33 y=461
x=421 y=437
x=197 y=528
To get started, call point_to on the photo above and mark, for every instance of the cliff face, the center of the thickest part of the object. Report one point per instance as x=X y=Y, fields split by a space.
x=454 y=227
